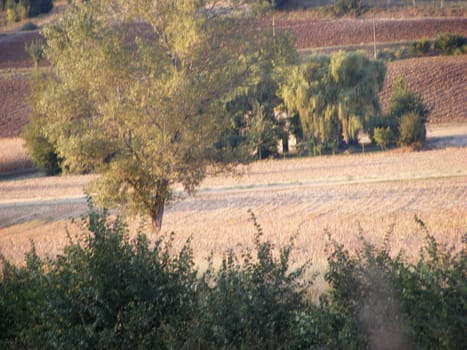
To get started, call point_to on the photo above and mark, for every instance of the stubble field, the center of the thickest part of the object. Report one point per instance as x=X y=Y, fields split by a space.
x=346 y=196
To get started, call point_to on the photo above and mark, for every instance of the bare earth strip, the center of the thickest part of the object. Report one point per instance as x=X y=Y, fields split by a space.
x=372 y=193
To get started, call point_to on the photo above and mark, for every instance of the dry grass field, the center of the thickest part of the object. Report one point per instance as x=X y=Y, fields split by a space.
x=13 y=156
x=348 y=196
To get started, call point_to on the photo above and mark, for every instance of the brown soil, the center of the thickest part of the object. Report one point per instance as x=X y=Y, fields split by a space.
x=14 y=110
x=339 y=32
x=12 y=49
x=441 y=81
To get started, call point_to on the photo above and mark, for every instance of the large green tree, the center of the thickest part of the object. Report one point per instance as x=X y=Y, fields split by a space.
x=136 y=94
x=334 y=96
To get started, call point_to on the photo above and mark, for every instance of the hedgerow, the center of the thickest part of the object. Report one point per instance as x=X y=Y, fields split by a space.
x=109 y=291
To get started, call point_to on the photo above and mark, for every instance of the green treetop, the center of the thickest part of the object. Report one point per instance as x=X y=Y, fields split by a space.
x=135 y=94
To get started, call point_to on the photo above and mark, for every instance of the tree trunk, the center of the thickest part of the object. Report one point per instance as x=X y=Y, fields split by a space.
x=156 y=219
x=157 y=210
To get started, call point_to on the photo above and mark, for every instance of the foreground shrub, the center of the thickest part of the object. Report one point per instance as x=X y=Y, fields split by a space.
x=109 y=292
x=381 y=302
x=254 y=300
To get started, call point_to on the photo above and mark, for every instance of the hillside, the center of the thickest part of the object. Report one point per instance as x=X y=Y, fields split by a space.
x=440 y=80
x=348 y=31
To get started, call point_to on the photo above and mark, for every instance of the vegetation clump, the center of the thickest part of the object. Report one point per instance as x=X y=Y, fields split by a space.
x=20 y=9
x=334 y=97
x=404 y=125
x=109 y=291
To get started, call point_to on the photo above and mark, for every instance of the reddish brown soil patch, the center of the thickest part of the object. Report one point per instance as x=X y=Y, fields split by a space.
x=337 y=32
x=14 y=110
x=12 y=49
x=441 y=81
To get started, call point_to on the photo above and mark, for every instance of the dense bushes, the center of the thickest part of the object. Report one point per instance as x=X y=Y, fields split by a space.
x=404 y=125
x=449 y=44
x=107 y=291
x=444 y=44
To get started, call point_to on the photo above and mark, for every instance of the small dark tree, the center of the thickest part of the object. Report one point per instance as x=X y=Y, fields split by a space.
x=412 y=130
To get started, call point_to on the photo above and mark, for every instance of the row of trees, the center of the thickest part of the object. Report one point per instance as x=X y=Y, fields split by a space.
x=109 y=292
x=150 y=95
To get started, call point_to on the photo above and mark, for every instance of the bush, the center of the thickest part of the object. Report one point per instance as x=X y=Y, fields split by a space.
x=41 y=150
x=412 y=130
x=448 y=44
x=379 y=302
x=420 y=48
x=349 y=6
x=107 y=291
x=254 y=302
x=383 y=137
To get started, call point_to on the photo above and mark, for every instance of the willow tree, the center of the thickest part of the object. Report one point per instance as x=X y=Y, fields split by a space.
x=135 y=93
x=334 y=96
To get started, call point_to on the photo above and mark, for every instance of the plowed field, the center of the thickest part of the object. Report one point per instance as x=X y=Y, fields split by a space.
x=12 y=49
x=341 y=32
x=14 y=109
x=441 y=81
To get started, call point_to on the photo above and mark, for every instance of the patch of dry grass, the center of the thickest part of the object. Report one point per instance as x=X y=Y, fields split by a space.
x=13 y=156
x=348 y=197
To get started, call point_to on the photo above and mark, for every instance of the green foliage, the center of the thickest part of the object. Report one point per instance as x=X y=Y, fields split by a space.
x=412 y=130
x=254 y=127
x=383 y=137
x=141 y=106
x=405 y=123
x=377 y=300
x=109 y=291
x=254 y=299
x=40 y=149
x=21 y=9
x=403 y=100
x=334 y=97
x=35 y=50
x=355 y=7
x=420 y=48
x=449 y=44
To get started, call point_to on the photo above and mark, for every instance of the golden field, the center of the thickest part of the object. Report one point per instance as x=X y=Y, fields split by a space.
x=345 y=197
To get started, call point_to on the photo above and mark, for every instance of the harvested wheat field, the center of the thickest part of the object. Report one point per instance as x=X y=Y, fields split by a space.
x=345 y=196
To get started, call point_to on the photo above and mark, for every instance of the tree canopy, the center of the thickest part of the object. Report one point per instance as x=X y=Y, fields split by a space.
x=334 y=96
x=135 y=94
